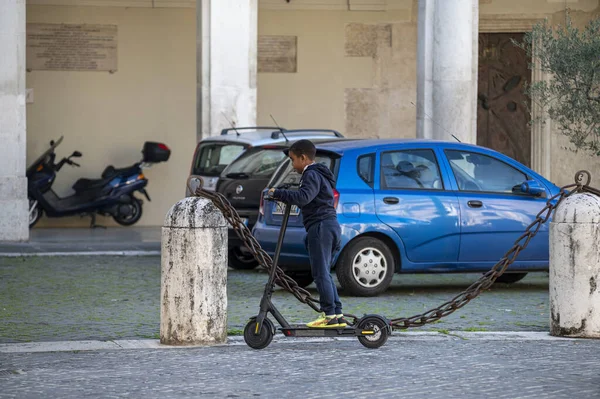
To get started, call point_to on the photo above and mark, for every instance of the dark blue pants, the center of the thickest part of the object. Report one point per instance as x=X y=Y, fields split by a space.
x=322 y=242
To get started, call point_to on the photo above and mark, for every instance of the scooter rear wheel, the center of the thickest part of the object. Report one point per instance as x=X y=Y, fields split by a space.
x=380 y=335
x=134 y=213
x=264 y=336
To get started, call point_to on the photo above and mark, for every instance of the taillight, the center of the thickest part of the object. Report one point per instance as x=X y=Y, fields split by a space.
x=163 y=147
x=261 y=207
x=336 y=198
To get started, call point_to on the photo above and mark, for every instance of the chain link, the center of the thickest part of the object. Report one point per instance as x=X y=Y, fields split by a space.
x=582 y=180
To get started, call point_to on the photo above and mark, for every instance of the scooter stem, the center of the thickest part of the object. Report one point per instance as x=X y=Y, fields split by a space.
x=284 y=223
x=265 y=303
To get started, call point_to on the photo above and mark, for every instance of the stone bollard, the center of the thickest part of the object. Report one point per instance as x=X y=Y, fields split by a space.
x=193 y=290
x=575 y=268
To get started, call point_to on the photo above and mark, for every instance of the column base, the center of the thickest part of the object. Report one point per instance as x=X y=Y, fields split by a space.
x=14 y=209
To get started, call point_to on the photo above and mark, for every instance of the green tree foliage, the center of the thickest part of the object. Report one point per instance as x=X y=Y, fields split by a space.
x=571 y=97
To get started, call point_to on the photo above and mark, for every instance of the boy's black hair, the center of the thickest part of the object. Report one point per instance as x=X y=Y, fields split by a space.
x=303 y=147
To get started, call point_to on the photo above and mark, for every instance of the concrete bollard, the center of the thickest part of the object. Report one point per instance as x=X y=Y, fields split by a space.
x=193 y=274
x=575 y=268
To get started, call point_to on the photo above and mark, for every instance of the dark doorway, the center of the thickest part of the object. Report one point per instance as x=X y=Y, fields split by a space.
x=502 y=117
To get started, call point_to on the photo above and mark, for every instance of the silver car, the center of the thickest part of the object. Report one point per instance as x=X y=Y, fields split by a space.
x=213 y=154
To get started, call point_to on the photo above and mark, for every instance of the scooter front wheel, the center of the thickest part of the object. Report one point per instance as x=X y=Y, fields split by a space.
x=35 y=212
x=263 y=338
x=378 y=332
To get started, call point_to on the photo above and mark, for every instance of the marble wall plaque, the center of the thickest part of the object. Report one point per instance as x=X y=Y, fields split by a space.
x=277 y=54
x=69 y=47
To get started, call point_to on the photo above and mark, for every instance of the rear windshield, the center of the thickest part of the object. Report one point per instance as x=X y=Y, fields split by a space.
x=287 y=175
x=256 y=162
x=213 y=158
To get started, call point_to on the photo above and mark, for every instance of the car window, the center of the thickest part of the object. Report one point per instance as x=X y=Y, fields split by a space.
x=289 y=176
x=365 y=168
x=213 y=158
x=478 y=172
x=257 y=162
x=410 y=169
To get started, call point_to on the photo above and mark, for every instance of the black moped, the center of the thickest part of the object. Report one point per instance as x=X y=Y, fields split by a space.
x=111 y=195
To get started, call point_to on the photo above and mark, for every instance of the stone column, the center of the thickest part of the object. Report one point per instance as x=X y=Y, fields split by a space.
x=446 y=65
x=575 y=268
x=14 y=221
x=226 y=48
x=193 y=292
x=475 y=69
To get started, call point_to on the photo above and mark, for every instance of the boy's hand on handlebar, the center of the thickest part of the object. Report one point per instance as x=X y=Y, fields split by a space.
x=271 y=193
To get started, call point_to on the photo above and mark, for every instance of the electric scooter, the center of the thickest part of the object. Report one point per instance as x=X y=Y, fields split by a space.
x=371 y=330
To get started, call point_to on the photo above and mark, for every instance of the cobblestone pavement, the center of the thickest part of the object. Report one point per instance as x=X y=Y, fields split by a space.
x=405 y=367
x=112 y=297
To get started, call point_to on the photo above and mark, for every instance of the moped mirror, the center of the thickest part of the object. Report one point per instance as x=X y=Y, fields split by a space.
x=76 y=154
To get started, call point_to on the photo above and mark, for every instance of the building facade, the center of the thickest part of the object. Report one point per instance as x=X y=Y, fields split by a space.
x=183 y=69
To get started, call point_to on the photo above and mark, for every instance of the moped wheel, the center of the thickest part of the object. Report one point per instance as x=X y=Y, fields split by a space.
x=264 y=336
x=35 y=212
x=131 y=213
x=380 y=332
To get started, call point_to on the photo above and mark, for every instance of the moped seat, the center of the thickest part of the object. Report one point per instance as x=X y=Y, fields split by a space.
x=89 y=184
x=111 y=171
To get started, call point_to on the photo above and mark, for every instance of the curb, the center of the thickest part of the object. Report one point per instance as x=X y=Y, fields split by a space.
x=75 y=346
x=80 y=253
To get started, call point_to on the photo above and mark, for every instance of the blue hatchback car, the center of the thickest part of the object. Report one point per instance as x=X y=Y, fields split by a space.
x=416 y=206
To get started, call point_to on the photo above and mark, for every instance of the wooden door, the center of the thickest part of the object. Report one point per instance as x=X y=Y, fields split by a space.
x=502 y=116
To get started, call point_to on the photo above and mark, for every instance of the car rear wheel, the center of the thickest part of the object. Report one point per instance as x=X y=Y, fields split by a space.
x=366 y=267
x=241 y=260
x=509 y=278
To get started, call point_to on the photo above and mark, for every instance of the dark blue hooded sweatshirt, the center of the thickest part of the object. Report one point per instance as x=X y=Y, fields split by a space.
x=315 y=195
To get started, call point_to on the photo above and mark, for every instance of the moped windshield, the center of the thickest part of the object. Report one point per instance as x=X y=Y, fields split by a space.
x=45 y=154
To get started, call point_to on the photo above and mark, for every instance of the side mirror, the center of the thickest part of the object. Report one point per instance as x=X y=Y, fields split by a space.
x=76 y=154
x=531 y=187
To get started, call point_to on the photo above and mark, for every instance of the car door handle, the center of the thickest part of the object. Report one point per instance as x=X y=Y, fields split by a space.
x=391 y=200
x=475 y=204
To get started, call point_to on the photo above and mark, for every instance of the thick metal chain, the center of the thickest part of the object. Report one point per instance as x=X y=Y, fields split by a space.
x=582 y=180
x=263 y=258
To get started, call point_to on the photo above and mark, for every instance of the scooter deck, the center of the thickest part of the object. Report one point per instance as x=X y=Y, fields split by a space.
x=303 y=331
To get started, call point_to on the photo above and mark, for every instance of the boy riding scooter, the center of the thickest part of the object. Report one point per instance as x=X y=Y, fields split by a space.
x=315 y=199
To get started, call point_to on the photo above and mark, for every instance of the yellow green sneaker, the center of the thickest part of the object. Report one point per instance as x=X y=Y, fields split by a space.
x=324 y=322
x=342 y=322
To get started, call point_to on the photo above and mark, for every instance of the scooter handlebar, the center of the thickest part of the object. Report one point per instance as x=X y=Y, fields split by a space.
x=72 y=163
x=285 y=186
x=267 y=197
